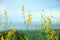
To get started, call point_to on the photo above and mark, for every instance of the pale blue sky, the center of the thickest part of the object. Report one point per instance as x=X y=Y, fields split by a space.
x=15 y=14
x=14 y=8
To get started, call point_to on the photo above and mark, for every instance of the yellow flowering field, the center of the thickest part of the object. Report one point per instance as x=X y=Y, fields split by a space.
x=29 y=21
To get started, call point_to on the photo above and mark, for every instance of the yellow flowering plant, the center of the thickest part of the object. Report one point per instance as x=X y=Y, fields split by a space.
x=2 y=38
x=5 y=13
x=5 y=19
x=14 y=28
x=29 y=20
x=23 y=10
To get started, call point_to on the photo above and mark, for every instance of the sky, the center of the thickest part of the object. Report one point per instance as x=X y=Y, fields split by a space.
x=13 y=8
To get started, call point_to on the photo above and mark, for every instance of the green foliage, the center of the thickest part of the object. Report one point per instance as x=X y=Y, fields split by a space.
x=32 y=35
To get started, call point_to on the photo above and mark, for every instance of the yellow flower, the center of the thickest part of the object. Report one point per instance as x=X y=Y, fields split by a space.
x=23 y=9
x=5 y=13
x=45 y=24
x=9 y=34
x=48 y=18
x=2 y=38
x=14 y=28
x=45 y=20
x=46 y=30
x=56 y=23
x=52 y=32
x=51 y=37
x=29 y=20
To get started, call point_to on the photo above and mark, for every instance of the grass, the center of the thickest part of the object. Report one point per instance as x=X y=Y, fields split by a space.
x=31 y=34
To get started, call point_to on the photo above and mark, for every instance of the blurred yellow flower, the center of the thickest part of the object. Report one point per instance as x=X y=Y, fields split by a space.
x=14 y=28
x=45 y=24
x=2 y=38
x=48 y=18
x=9 y=34
x=52 y=32
x=46 y=30
x=51 y=37
x=23 y=10
x=5 y=13
x=29 y=20
x=45 y=20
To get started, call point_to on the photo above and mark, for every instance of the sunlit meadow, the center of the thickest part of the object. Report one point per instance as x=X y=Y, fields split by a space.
x=29 y=19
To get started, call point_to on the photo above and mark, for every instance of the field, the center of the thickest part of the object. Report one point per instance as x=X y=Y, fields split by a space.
x=24 y=35
x=46 y=32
